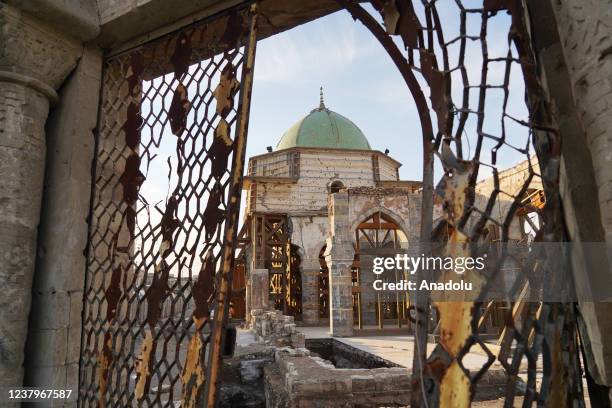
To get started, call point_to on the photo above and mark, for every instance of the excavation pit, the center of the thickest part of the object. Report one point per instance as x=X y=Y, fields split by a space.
x=342 y=355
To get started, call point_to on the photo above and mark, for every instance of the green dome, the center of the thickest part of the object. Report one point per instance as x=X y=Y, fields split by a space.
x=326 y=129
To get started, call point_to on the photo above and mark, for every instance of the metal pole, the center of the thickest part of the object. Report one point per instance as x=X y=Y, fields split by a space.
x=231 y=226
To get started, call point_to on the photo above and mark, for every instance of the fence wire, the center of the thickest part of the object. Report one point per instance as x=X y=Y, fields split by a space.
x=170 y=151
x=158 y=256
x=473 y=77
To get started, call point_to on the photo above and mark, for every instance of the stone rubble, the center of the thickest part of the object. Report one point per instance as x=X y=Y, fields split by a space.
x=272 y=327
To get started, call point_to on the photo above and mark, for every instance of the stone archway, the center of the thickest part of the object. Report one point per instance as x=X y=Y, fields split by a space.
x=377 y=235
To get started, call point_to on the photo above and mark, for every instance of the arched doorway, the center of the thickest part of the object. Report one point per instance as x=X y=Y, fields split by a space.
x=378 y=234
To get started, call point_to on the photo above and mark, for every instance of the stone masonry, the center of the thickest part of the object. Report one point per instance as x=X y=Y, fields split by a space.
x=272 y=327
x=310 y=290
x=34 y=60
x=339 y=258
x=572 y=42
x=57 y=297
x=310 y=381
x=584 y=30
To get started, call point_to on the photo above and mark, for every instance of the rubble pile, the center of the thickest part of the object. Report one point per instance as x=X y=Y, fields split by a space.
x=272 y=327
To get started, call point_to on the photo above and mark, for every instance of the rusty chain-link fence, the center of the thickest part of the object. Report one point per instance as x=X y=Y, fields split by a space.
x=165 y=202
x=170 y=157
x=465 y=64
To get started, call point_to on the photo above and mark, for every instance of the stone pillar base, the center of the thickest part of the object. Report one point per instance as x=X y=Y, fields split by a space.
x=341 y=299
x=310 y=296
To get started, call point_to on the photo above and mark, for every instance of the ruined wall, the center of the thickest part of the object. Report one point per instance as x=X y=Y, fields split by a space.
x=302 y=191
x=347 y=209
x=310 y=234
x=277 y=164
x=317 y=169
x=402 y=206
x=387 y=168
x=310 y=381
x=272 y=327
x=511 y=181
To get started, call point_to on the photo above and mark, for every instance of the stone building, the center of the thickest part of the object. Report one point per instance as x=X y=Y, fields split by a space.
x=323 y=186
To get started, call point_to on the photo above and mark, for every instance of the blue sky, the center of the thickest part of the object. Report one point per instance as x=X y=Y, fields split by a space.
x=361 y=83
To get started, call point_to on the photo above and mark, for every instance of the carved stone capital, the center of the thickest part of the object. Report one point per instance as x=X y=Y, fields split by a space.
x=33 y=54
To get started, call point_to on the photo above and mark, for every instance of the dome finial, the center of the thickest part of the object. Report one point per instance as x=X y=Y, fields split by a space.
x=321 y=101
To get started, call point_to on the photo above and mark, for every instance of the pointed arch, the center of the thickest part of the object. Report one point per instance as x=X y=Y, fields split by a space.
x=387 y=215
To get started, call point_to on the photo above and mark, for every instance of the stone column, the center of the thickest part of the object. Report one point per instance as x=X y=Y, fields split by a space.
x=34 y=61
x=339 y=257
x=572 y=44
x=368 y=294
x=57 y=296
x=585 y=31
x=310 y=291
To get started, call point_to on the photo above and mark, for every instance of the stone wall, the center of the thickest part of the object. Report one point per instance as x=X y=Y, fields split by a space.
x=310 y=234
x=573 y=45
x=585 y=30
x=57 y=296
x=347 y=210
x=511 y=181
x=34 y=61
x=272 y=327
x=302 y=380
x=402 y=206
x=317 y=170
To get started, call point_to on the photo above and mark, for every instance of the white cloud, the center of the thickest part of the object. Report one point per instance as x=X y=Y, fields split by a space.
x=391 y=93
x=311 y=51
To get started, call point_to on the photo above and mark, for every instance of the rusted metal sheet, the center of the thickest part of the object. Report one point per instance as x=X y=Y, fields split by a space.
x=233 y=210
x=156 y=263
x=443 y=381
x=178 y=110
x=194 y=376
x=226 y=90
x=144 y=366
x=133 y=259
x=455 y=314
